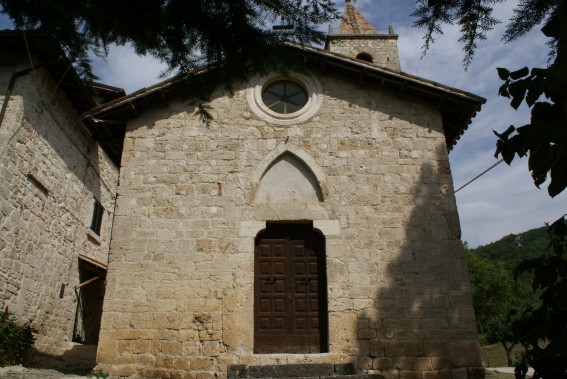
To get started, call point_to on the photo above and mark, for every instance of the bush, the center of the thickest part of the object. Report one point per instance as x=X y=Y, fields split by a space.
x=98 y=375
x=16 y=340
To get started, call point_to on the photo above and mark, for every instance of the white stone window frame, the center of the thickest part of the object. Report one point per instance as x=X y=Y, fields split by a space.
x=306 y=80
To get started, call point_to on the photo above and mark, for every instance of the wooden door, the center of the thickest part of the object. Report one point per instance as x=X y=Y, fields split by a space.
x=290 y=305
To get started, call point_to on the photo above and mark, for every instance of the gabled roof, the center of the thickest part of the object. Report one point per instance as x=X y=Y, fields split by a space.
x=82 y=95
x=457 y=107
x=354 y=23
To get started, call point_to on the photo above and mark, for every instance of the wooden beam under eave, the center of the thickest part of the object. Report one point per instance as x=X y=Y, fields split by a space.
x=133 y=108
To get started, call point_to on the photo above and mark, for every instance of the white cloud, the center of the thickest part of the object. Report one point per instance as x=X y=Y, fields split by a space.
x=505 y=202
x=125 y=69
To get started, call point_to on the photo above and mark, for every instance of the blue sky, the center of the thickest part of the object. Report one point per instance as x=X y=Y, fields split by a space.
x=501 y=202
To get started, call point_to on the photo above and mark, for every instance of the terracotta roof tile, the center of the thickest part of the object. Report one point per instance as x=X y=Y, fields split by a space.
x=354 y=23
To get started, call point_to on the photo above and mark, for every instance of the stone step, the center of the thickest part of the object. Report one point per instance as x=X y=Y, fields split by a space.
x=298 y=371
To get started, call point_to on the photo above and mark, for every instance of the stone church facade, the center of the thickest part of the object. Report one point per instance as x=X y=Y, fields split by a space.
x=312 y=221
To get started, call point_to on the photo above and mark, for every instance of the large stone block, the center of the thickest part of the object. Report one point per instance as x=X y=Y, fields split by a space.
x=466 y=354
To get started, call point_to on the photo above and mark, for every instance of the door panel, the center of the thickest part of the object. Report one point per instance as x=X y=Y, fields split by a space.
x=290 y=292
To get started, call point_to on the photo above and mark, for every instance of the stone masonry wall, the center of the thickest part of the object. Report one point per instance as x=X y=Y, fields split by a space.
x=179 y=301
x=384 y=51
x=51 y=169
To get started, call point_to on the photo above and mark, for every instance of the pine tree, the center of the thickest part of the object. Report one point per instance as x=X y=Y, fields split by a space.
x=185 y=34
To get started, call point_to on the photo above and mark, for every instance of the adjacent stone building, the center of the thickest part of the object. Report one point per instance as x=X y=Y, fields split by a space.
x=54 y=175
x=312 y=221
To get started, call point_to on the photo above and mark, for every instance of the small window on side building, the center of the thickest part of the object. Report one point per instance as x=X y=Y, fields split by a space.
x=96 y=221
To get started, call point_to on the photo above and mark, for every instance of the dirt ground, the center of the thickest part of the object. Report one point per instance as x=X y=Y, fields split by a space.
x=19 y=372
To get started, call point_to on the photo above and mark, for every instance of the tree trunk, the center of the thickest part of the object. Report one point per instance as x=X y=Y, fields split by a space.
x=508 y=353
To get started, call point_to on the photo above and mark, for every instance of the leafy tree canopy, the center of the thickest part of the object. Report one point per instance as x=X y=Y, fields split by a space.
x=532 y=309
x=491 y=287
x=510 y=250
x=495 y=295
x=184 y=34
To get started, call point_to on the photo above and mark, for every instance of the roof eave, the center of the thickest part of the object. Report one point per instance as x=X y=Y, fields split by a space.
x=58 y=66
x=444 y=97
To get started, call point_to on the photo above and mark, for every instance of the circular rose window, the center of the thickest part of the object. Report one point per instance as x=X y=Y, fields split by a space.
x=285 y=100
x=284 y=96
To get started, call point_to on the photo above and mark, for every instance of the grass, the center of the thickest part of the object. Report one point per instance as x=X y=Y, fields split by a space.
x=498 y=375
x=495 y=356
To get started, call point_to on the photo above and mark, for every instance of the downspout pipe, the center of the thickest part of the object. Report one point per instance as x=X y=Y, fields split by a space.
x=11 y=87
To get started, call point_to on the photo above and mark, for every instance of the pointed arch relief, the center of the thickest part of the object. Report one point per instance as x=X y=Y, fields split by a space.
x=288 y=180
x=289 y=177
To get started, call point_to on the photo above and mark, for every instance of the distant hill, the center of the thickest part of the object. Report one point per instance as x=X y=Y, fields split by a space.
x=511 y=249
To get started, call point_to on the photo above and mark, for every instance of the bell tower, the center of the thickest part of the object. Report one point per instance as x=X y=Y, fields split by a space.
x=357 y=38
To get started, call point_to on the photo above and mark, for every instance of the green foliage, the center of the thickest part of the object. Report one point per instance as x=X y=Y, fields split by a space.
x=511 y=249
x=538 y=304
x=99 y=374
x=493 y=297
x=528 y=272
x=542 y=329
x=16 y=340
x=502 y=332
x=544 y=139
x=187 y=35
x=509 y=252
x=474 y=18
x=491 y=290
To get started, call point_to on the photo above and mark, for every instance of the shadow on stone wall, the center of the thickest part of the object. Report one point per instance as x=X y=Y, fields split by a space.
x=77 y=359
x=65 y=136
x=422 y=319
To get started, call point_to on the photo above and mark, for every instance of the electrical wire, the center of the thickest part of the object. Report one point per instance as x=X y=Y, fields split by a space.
x=28 y=49
x=479 y=175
